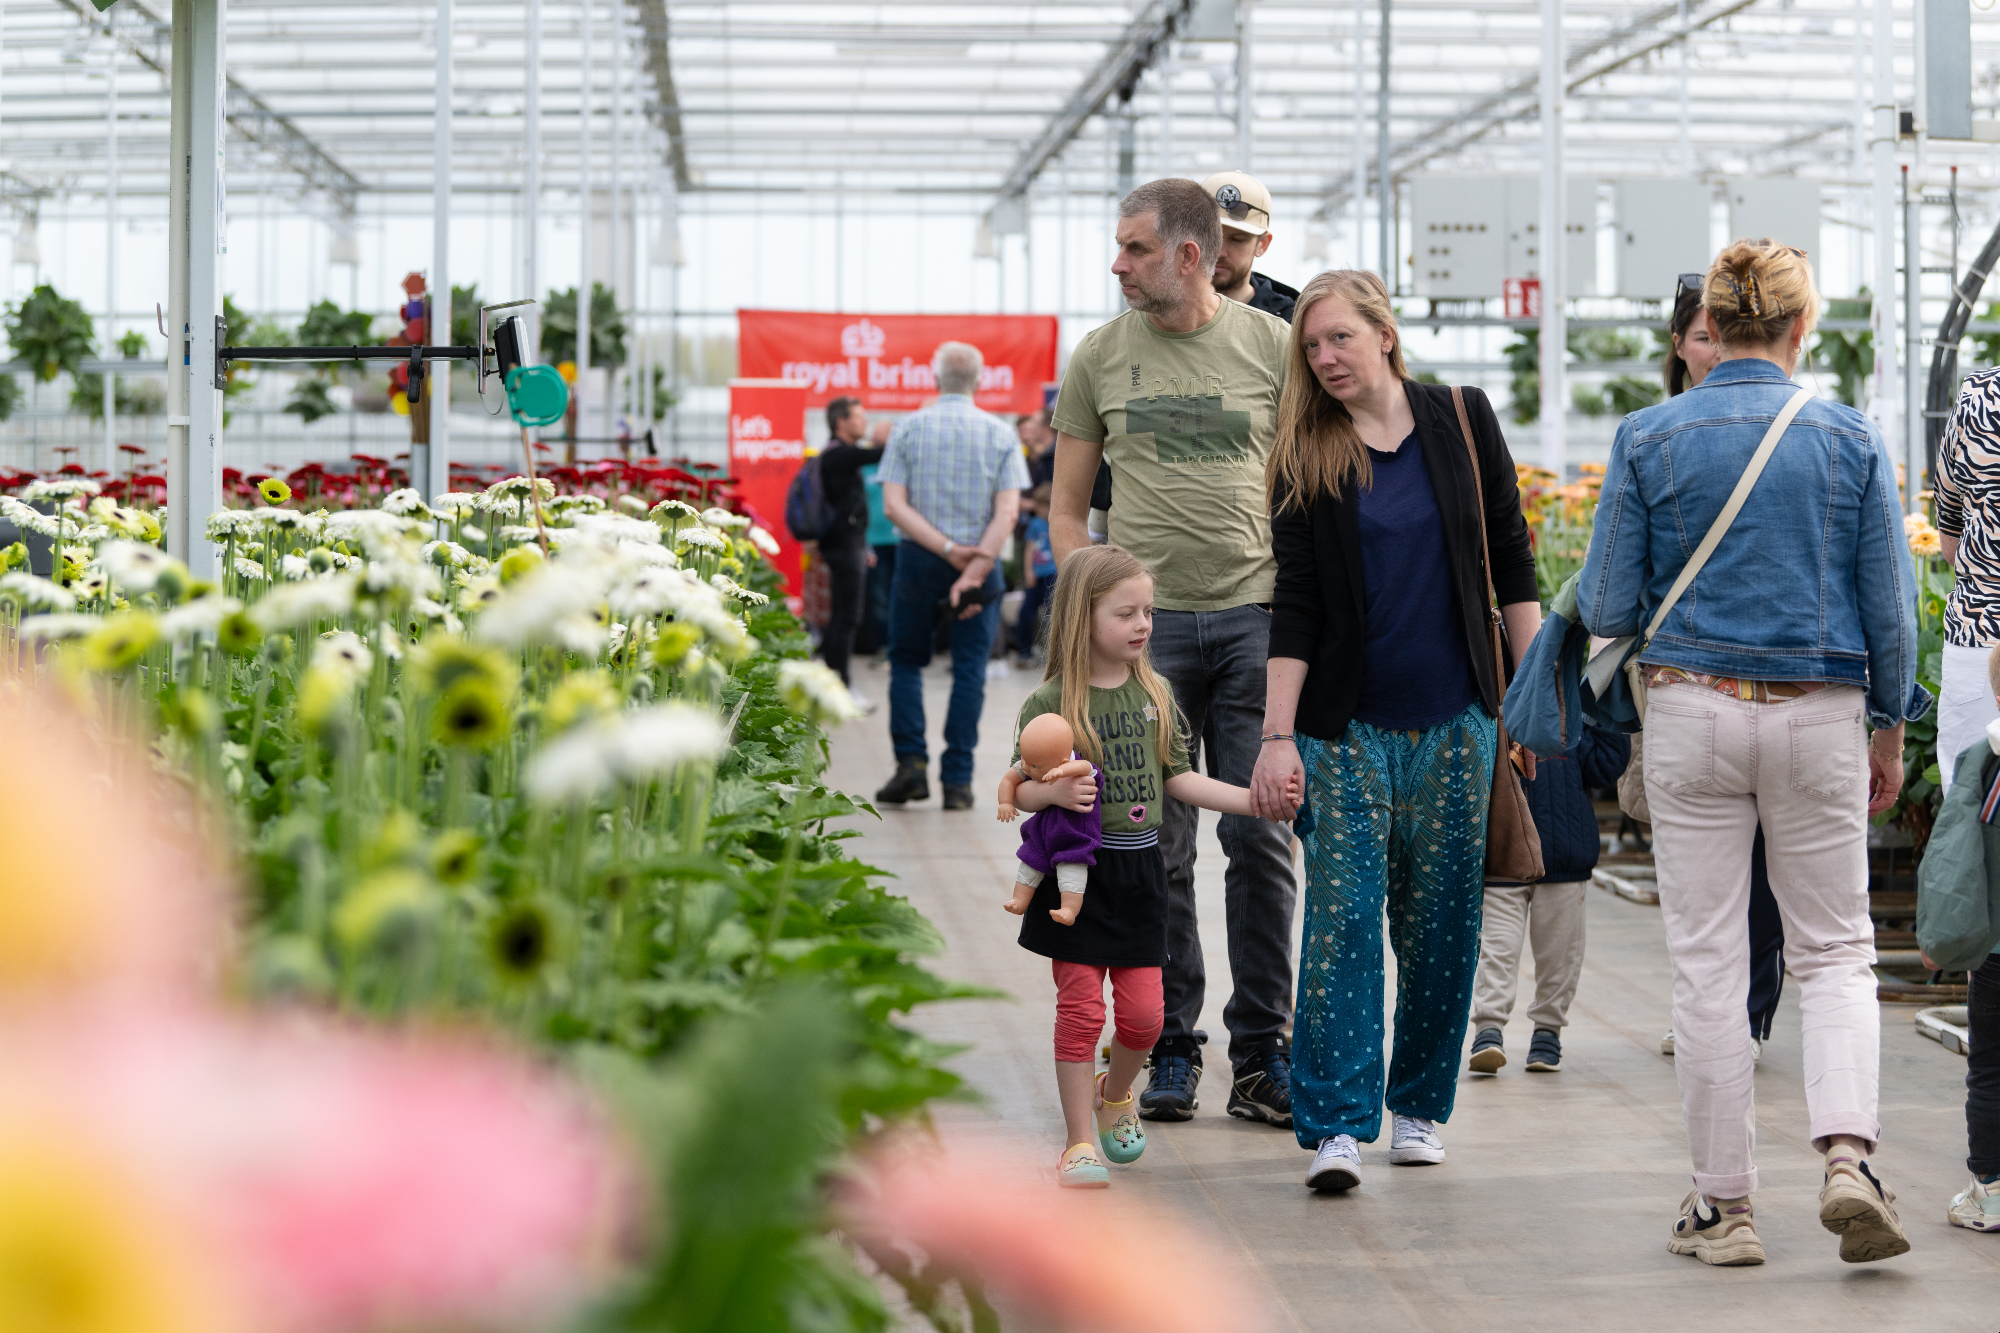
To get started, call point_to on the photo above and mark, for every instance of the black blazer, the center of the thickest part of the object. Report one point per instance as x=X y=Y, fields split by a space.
x=1317 y=610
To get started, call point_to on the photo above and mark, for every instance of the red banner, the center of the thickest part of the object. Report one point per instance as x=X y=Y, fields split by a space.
x=885 y=360
x=766 y=445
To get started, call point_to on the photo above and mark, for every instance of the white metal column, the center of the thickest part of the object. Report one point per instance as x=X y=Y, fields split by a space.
x=1360 y=134
x=1244 y=110
x=1882 y=310
x=531 y=183
x=430 y=464
x=194 y=436
x=586 y=205
x=109 y=341
x=1385 y=195
x=1550 y=247
x=620 y=296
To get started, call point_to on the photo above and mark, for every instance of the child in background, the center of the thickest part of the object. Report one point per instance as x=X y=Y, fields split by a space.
x=1124 y=720
x=1550 y=911
x=1958 y=844
x=1038 y=572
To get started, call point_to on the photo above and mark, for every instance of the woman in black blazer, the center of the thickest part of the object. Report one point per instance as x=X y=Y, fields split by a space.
x=1382 y=698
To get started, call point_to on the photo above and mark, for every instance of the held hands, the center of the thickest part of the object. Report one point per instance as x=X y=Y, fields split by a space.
x=1078 y=792
x=1885 y=769
x=1277 y=785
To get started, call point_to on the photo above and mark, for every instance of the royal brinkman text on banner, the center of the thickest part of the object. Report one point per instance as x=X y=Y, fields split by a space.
x=766 y=445
x=885 y=360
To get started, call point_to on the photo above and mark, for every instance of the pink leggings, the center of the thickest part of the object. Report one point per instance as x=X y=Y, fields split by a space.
x=1140 y=1011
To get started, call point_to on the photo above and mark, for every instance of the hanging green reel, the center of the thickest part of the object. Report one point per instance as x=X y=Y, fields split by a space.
x=536 y=395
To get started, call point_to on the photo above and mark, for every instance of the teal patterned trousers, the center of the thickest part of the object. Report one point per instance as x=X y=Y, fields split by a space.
x=1398 y=823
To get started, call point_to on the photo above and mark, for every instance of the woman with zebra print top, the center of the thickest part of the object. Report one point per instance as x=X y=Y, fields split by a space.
x=1968 y=520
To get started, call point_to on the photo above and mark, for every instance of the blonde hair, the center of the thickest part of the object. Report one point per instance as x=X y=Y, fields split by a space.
x=1317 y=447
x=1755 y=289
x=1087 y=577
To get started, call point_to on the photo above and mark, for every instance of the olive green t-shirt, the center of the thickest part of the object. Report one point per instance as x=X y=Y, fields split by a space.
x=1186 y=421
x=1131 y=786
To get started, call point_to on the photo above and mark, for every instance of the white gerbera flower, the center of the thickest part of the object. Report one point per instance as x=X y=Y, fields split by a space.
x=60 y=488
x=231 y=522
x=447 y=554
x=62 y=625
x=292 y=604
x=94 y=584
x=729 y=587
x=631 y=747
x=764 y=541
x=295 y=567
x=454 y=504
x=700 y=538
x=723 y=519
x=134 y=566
x=814 y=690
x=204 y=615
x=34 y=590
x=251 y=570
x=340 y=650
x=28 y=518
x=554 y=604
x=406 y=503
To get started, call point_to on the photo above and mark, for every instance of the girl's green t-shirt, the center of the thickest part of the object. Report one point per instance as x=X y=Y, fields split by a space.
x=1131 y=786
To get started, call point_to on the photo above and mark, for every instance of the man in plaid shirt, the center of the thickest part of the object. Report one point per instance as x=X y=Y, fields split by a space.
x=951 y=478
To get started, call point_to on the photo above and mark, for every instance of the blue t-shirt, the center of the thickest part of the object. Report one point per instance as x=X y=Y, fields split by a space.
x=1416 y=671
x=1041 y=549
x=881 y=532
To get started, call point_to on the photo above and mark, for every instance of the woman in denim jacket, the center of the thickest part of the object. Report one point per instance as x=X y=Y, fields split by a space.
x=1758 y=684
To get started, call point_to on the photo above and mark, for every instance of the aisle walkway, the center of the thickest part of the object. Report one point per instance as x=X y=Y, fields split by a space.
x=1552 y=1212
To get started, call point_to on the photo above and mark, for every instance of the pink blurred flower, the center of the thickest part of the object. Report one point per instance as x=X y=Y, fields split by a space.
x=1096 y=1265
x=346 y=1180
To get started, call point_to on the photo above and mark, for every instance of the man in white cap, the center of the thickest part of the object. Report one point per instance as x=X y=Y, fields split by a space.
x=1246 y=234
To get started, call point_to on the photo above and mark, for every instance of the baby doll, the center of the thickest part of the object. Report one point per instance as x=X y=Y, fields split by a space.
x=1058 y=839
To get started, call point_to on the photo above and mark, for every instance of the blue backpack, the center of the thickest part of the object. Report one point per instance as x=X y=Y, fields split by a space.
x=807 y=514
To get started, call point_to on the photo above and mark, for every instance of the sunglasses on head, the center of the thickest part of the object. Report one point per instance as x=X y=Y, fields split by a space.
x=1234 y=205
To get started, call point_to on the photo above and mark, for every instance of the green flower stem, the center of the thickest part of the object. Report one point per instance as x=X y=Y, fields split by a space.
x=781 y=901
x=457 y=769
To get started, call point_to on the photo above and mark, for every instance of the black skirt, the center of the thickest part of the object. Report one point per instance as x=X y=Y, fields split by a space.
x=1123 y=921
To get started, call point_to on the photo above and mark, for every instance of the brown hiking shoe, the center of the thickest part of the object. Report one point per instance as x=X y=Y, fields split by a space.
x=1716 y=1231
x=1858 y=1208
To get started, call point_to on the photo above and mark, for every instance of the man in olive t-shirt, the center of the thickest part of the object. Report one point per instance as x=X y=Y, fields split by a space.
x=1181 y=395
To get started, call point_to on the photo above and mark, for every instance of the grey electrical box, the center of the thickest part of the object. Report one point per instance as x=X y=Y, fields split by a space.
x=1208 y=21
x=1459 y=240
x=1663 y=232
x=1947 y=69
x=1784 y=209
x=1472 y=233
x=1524 y=224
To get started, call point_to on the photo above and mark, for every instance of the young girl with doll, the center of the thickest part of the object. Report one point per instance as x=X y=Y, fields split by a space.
x=1123 y=754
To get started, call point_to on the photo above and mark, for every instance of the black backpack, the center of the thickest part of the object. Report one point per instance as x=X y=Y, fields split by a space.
x=807 y=514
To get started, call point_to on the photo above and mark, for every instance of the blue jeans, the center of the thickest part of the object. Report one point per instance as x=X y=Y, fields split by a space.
x=1215 y=660
x=922 y=581
x=1399 y=820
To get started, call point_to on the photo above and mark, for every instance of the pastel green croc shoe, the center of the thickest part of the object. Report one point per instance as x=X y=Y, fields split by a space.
x=1080 y=1169
x=1119 y=1132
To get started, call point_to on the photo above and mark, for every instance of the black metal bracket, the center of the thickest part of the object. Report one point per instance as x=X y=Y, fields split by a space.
x=415 y=355
x=221 y=366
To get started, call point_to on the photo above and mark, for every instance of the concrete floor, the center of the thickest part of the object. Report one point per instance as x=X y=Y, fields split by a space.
x=1554 y=1206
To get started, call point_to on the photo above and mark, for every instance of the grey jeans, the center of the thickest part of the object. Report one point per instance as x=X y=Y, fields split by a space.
x=1215 y=661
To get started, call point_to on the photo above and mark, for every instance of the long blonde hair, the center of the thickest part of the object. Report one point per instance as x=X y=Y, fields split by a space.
x=1317 y=447
x=1087 y=577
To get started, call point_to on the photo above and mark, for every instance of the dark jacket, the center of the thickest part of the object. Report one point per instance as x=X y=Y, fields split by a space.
x=1559 y=799
x=840 y=473
x=1272 y=297
x=1317 y=610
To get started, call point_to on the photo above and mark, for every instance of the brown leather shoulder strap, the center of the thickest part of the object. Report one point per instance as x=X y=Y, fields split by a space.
x=1485 y=563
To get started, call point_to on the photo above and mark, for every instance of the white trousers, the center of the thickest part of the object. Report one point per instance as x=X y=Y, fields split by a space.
x=1964 y=707
x=1715 y=766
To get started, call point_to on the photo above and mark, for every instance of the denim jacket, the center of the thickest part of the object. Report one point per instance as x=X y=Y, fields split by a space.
x=1814 y=579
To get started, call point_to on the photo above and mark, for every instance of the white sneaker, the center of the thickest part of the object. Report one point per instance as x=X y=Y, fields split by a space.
x=1667 y=1043
x=1414 y=1142
x=1336 y=1166
x=1756 y=1051
x=1976 y=1207
x=865 y=704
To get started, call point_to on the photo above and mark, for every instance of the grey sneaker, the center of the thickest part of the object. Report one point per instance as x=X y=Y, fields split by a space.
x=1545 y=1051
x=1336 y=1166
x=1487 y=1056
x=1414 y=1142
x=1858 y=1208
x=1716 y=1231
